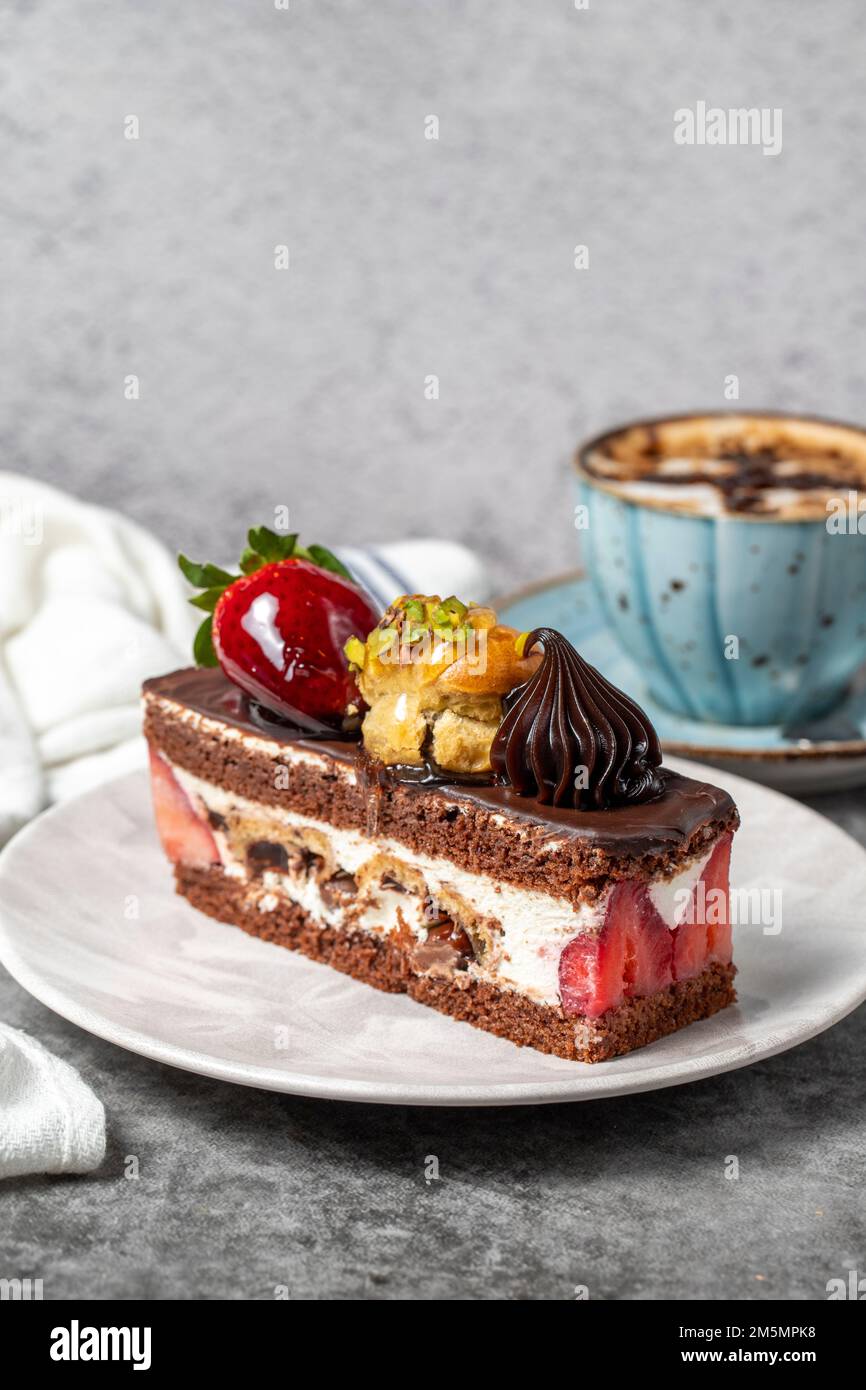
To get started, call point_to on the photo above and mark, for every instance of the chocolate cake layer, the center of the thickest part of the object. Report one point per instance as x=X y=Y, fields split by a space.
x=203 y=724
x=381 y=962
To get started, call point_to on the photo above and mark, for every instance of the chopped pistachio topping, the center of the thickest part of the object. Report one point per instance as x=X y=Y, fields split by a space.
x=417 y=629
x=383 y=638
x=355 y=651
x=450 y=610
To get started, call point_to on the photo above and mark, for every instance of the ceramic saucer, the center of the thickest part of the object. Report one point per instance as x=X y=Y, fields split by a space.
x=825 y=755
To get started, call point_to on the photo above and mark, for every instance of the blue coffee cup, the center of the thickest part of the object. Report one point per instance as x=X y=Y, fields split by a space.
x=744 y=608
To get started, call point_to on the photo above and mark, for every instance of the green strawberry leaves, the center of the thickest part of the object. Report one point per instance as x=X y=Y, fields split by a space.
x=208 y=598
x=270 y=545
x=202 y=646
x=326 y=560
x=213 y=583
x=264 y=547
x=204 y=576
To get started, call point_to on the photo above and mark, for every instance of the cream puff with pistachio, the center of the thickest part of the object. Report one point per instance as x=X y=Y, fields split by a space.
x=433 y=673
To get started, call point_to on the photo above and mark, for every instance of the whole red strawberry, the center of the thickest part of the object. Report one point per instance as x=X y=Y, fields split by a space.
x=278 y=629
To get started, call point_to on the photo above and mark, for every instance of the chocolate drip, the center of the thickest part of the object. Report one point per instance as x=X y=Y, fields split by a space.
x=306 y=725
x=567 y=719
x=425 y=774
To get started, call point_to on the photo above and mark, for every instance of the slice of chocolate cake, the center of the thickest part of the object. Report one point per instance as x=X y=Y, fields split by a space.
x=502 y=844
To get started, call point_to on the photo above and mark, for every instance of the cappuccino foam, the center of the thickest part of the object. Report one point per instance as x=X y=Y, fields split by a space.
x=763 y=466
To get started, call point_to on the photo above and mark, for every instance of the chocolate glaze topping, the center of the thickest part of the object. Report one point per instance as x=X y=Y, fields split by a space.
x=207 y=691
x=570 y=738
x=651 y=827
x=268 y=720
x=682 y=807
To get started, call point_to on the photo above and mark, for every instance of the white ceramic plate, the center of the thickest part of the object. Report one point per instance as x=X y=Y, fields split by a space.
x=89 y=924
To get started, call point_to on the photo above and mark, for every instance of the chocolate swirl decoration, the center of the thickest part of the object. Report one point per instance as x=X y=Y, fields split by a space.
x=566 y=718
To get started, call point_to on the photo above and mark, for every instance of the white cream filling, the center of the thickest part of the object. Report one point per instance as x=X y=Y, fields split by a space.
x=671 y=896
x=534 y=926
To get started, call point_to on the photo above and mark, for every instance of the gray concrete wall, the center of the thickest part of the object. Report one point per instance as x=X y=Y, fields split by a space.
x=410 y=256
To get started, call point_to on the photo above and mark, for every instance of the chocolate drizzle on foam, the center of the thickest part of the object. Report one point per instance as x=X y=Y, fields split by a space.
x=570 y=738
x=749 y=465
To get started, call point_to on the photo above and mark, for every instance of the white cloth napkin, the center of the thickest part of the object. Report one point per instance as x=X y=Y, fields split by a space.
x=90 y=606
x=50 y=1121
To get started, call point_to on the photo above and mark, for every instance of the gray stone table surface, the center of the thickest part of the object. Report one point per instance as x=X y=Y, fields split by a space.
x=241 y=1192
